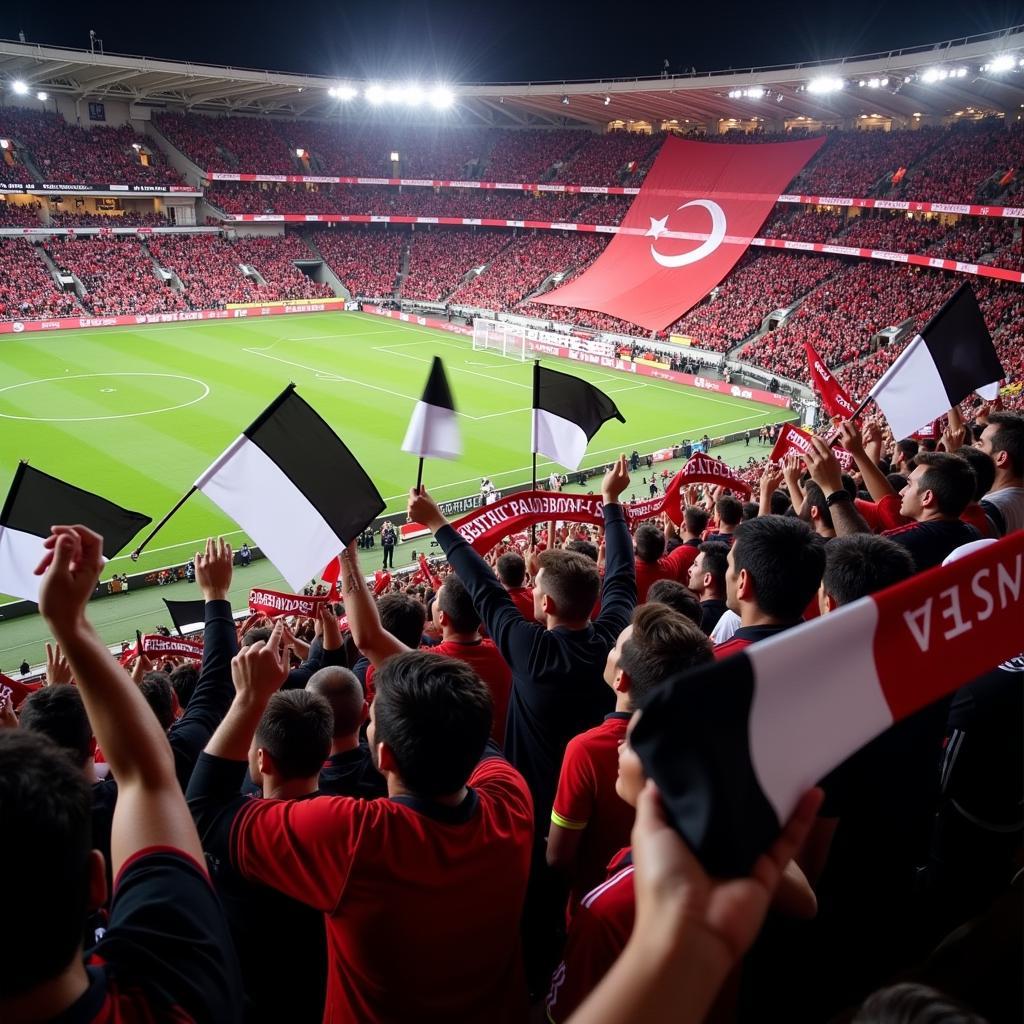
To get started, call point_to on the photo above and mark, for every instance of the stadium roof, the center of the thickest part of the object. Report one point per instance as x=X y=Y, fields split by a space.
x=977 y=73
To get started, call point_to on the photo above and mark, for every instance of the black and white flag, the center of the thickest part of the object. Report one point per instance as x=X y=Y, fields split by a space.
x=37 y=501
x=434 y=430
x=567 y=413
x=941 y=366
x=293 y=486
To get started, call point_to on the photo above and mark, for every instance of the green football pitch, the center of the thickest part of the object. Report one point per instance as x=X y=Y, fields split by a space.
x=136 y=414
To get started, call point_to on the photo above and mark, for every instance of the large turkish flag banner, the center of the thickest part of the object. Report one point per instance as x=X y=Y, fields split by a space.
x=694 y=217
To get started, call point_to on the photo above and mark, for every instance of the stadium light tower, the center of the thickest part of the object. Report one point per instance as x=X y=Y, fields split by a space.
x=42 y=96
x=19 y=87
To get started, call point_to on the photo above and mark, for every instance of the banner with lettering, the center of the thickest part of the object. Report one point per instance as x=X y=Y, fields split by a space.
x=274 y=604
x=794 y=441
x=834 y=399
x=156 y=645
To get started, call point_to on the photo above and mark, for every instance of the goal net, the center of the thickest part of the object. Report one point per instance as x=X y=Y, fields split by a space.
x=508 y=340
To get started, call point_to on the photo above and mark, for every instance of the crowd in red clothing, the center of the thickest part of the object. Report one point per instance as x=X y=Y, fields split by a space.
x=274 y=259
x=802 y=224
x=20 y=215
x=440 y=258
x=229 y=143
x=367 y=260
x=27 y=289
x=107 y=220
x=64 y=152
x=614 y=158
x=208 y=268
x=119 y=275
x=522 y=267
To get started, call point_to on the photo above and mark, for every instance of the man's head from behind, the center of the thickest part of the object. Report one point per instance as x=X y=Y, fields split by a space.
x=729 y=511
x=649 y=542
x=859 y=565
x=159 y=693
x=679 y=598
x=566 y=588
x=453 y=609
x=695 y=521
x=940 y=487
x=58 y=712
x=46 y=810
x=344 y=693
x=293 y=738
x=775 y=567
x=403 y=617
x=655 y=644
x=707 y=573
x=511 y=570
x=429 y=722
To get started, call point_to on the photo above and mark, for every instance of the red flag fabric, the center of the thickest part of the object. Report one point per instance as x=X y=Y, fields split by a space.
x=793 y=441
x=18 y=691
x=929 y=432
x=834 y=400
x=694 y=217
x=701 y=468
x=273 y=603
x=381 y=582
x=1008 y=177
x=331 y=574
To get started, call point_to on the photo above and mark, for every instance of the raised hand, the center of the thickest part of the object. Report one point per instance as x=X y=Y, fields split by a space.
x=259 y=669
x=58 y=671
x=615 y=481
x=851 y=438
x=213 y=569
x=423 y=509
x=72 y=564
x=824 y=467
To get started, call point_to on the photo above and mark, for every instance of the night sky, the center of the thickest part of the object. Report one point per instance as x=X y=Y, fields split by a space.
x=457 y=41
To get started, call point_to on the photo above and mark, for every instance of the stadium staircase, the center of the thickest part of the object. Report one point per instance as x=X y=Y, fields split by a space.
x=324 y=272
x=403 y=270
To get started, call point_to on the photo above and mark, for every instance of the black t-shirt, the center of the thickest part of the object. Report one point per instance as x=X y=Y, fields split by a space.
x=281 y=943
x=929 y=543
x=167 y=955
x=710 y=613
x=352 y=774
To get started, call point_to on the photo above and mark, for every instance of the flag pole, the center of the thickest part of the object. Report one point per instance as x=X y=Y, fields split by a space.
x=419 y=476
x=536 y=397
x=163 y=522
x=852 y=418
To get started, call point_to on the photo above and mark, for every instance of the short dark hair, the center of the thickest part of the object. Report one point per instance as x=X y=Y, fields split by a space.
x=984 y=469
x=572 y=581
x=586 y=548
x=677 y=596
x=453 y=599
x=649 y=542
x=913 y=1003
x=1009 y=438
x=729 y=510
x=696 y=519
x=257 y=633
x=750 y=510
x=511 y=569
x=184 y=679
x=403 y=617
x=46 y=808
x=814 y=497
x=663 y=642
x=156 y=688
x=863 y=564
x=434 y=714
x=59 y=713
x=950 y=478
x=784 y=559
x=344 y=693
x=897 y=481
x=909 y=448
x=779 y=503
x=716 y=561
x=296 y=730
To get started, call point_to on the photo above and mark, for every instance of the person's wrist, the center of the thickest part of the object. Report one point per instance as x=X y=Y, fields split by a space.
x=215 y=593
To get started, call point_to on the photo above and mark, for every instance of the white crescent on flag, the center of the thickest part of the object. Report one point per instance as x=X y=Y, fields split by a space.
x=706 y=248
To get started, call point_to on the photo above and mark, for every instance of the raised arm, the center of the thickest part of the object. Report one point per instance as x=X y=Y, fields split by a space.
x=618 y=592
x=771 y=477
x=827 y=474
x=368 y=634
x=213 y=691
x=874 y=479
x=150 y=809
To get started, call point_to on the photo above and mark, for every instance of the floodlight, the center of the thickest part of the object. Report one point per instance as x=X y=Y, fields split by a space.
x=932 y=75
x=394 y=156
x=42 y=96
x=607 y=100
x=137 y=147
x=412 y=94
x=300 y=153
x=441 y=97
x=344 y=92
x=5 y=143
x=375 y=94
x=19 y=87
x=825 y=85
x=885 y=82
x=755 y=92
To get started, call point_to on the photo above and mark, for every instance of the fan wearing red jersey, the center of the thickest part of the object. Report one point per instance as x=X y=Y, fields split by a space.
x=652 y=564
x=511 y=573
x=167 y=952
x=589 y=820
x=422 y=891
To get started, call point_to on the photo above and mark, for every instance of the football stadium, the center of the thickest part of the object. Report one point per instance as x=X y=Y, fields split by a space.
x=563 y=513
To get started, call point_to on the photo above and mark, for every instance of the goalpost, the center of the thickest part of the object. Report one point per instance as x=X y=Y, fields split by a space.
x=508 y=340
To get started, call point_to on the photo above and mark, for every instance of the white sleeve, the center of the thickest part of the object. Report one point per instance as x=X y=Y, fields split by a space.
x=727 y=625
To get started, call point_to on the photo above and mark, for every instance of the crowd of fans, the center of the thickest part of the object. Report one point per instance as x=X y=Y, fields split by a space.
x=615 y=158
x=452 y=798
x=366 y=260
x=208 y=268
x=27 y=289
x=20 y=215
x=439 y=259
x=248 y=144
x=274 y=258
x=118 y=275
x=523 y=265
x=120 y=219
x=66 y=153
x=802 y=224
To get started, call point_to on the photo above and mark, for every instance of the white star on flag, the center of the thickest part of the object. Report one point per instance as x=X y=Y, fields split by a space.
x=657 y=228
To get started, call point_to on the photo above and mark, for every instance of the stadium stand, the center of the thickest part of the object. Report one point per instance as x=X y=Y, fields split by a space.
x=439 y=259
x=27 y=289
x=367 y=260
